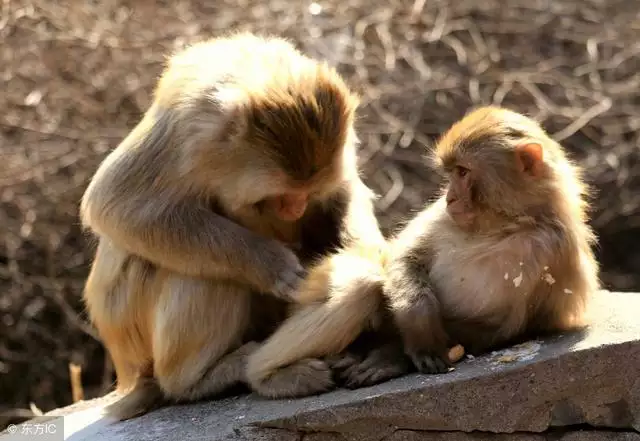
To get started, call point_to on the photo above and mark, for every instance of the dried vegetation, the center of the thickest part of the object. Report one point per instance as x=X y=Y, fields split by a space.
x=76 y=76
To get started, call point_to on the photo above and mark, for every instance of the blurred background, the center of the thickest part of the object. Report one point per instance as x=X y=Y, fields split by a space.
x=76 y=78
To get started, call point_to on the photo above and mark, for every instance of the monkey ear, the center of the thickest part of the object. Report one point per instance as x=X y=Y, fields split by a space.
x=529 y=158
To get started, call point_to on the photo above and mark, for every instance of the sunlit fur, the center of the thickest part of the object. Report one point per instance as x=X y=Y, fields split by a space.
x=484 y=136
x=190 y=266
x=525 y=267
x=339 y=299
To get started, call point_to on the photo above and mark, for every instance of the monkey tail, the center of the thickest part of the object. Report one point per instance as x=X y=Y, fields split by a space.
x=144 y=397
x=324 y=327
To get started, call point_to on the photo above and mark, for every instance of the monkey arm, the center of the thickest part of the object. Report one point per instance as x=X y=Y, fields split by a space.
x=415 y=306
x=174 y=231
x=412 y=299
x=186 y=238
x=417 y=314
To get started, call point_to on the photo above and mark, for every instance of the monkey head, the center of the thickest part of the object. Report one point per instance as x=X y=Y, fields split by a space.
x=294 y=141
x=498 y=167
x=261 y=126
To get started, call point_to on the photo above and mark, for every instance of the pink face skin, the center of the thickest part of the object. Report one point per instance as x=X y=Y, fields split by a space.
x=459 y=204
x=290 y=206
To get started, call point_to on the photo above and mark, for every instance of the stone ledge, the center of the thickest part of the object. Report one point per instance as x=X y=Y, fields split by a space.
x=590 y=378
x=408 y=435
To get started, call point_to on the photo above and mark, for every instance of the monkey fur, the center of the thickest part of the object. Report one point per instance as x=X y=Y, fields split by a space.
x=241 y=173
x=503 y=255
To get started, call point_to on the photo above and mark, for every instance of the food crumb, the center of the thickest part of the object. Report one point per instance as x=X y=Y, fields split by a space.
x=568 y=291
x=456 y=353
x=549 y=279
x=518 y=280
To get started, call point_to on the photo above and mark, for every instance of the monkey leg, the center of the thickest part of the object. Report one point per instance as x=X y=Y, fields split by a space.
x=149 y=394
x=112 y=297
x=129 y=364
x=125 y=344
x=199 y=327
x=285 y=365
x=120 y=314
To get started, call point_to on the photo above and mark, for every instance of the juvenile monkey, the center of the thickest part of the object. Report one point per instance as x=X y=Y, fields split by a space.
x=504 y=254
x=242 y=171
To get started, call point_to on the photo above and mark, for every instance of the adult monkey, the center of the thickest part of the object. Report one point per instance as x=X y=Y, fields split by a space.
x=241 y=172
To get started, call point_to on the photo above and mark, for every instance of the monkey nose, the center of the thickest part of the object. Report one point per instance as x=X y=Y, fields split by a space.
x=294 y=205
x=296 y=211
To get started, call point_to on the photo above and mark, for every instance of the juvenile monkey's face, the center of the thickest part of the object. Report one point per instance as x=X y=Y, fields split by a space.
x=460 y=203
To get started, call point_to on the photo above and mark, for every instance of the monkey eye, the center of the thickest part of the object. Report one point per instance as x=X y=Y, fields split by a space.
x=461 y=171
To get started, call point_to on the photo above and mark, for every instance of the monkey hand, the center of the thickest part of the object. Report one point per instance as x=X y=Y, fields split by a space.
x=430 y=362
x=288 y=281
x=286 y=275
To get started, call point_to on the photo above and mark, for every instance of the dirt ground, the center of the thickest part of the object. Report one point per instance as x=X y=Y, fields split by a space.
x=76 y=78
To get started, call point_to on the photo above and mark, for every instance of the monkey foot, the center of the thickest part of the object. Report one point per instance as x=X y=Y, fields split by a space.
x=306 y=377
x=430 y=363
x=378 y=366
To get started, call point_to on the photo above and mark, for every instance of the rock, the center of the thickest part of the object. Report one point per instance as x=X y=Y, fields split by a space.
x=583 y=435
x=590 y=379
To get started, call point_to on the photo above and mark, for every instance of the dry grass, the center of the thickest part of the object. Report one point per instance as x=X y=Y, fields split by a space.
x=76 y=78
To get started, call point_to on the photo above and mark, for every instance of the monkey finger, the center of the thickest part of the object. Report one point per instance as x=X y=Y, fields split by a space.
x=362 y=368
x=287 y=284
x=425 y=365
x=372 y=361
x=370 y=374
x=373 y=376
x=429 y=364
x=442 y=365
x=352 y=371
x=357 y=376
x=301 y=272
x=360 y=380
x=342 y=361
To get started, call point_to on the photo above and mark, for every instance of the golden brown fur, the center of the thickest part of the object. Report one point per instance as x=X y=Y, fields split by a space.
x=241 y=172
x=339 y=299
x=504 y=254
